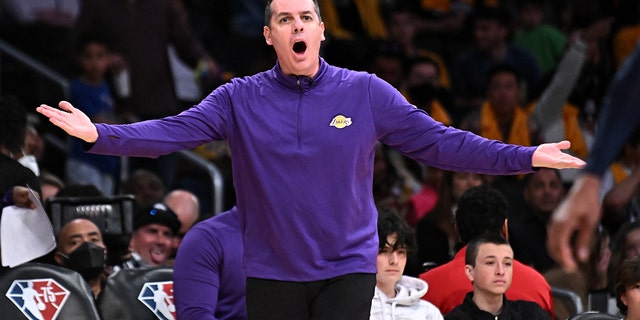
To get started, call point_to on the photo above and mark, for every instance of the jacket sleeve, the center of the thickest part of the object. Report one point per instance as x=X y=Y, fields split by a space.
x=620 y=115
x=414 y=133
x=196 y=276
x=152 y=138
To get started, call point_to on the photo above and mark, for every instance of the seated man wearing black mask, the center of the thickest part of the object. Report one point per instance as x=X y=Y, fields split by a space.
x=80 y=248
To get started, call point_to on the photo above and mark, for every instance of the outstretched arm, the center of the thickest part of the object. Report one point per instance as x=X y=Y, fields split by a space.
x=71 y=120
x=550 y=155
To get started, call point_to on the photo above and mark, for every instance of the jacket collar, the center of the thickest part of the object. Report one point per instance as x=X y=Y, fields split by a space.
x=303 y=83
x=473 y=309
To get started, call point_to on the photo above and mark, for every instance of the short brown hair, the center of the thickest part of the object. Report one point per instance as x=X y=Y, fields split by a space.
x=268 y=13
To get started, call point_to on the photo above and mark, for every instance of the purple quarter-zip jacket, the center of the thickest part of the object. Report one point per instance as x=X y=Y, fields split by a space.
x=302 y=158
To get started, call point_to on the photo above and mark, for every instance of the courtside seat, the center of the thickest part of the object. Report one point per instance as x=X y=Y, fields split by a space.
x=44 y=291
x=138 y=294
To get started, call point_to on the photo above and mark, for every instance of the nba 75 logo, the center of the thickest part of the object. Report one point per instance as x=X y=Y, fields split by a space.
x=38 y=299
x=158 y=297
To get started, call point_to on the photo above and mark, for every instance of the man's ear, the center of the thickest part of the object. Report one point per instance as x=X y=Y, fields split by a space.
x=468 y=271
x=58 y=257
x=322 y=26
x=267 y=35
x=505 y=229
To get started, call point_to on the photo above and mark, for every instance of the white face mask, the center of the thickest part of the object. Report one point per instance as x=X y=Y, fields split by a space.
x=30 y=162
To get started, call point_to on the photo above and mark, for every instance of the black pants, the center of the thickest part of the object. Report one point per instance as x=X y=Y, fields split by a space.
x=345 y=297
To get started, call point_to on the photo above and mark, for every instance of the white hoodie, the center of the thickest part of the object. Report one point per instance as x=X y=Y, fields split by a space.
x=406 y=305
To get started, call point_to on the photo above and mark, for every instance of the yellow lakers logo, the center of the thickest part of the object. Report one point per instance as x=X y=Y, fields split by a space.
x=340 y=122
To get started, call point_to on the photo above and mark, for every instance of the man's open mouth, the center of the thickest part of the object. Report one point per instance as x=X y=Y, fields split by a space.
x=299 y=47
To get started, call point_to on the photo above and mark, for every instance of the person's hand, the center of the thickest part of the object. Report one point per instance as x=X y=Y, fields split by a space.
x=598 y=30
x=116 y=63
x=21 y=198
x=550 y=155
x=579 y=211
x=71 y=120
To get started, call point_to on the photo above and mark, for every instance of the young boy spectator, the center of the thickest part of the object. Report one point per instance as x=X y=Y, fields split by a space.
x=480 y=210
x=534 y=35
x=489 y=267
x=396 y=294
x=91 y=93
x=627 y=288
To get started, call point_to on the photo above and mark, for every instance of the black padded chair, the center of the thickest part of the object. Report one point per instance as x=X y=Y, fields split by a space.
x=44 y=291
x=569 y=298
x=594 y=315
x=138 y=294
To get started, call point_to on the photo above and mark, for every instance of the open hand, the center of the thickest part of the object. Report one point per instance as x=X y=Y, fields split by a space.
x=550 y=155
x=71 y=120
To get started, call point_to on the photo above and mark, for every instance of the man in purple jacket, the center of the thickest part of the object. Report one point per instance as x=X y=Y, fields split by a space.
x=303 y=137
x=208 y=280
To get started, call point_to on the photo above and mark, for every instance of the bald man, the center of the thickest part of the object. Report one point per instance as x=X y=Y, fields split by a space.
x=186 y=206
x=80 y=248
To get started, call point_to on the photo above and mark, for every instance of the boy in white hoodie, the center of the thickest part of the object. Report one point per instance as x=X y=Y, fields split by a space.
x=397 y=296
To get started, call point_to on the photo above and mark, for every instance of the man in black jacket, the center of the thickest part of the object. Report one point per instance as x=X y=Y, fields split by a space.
x=489 y=260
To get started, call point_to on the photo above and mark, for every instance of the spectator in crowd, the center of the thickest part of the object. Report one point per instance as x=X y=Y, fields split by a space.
x=80 y=248
x=50 y=185
x=186 y=206
x=543 y=191
x=12 y=131
x=436 y=236
x=139 y=44
x=544 y=41
x=90 y=91
x=33 y=147
x=146 y=186
x=470 y=69
x=501 y=116
x=152 y=237
x=208 y=278
x=627 y=288
x=143 y=51
x=425 y=199
x=397 y=296
x=302 y=257
x=489 y=267
x=425 y=90
x=388 y=63
x=482 y=210
x=626 y=244
x=403 y=21
x=391 y=184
